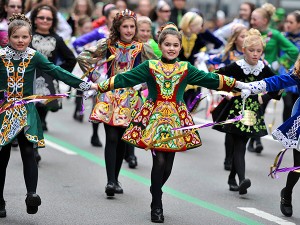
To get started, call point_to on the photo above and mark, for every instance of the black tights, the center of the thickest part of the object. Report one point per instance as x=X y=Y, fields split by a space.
x=161 y=170
x=95 y=129
x=114 y=151
x=293 y=177
x=30 y=168
x=238 y=160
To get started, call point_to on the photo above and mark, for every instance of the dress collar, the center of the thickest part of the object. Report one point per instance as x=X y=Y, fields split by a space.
x=164 y=60
x=249 y=69
x=11 y=53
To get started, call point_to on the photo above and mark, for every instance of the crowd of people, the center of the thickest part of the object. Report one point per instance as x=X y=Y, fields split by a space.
x=146 y=67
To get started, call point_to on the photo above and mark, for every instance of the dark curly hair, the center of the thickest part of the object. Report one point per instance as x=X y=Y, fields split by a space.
x=35 y=12
x=17 y=21
x=3 y=13
x=114 y=30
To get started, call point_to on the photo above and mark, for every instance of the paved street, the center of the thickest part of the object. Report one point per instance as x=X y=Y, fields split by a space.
x=72 y=178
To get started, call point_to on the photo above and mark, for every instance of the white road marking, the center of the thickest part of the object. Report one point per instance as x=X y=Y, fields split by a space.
x=59 y=148
x=266 y=216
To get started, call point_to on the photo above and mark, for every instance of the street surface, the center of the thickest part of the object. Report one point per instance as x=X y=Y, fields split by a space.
x=72 y=179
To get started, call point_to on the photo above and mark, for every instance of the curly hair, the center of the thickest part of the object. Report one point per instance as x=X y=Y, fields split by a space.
x=16 y=21
x=114 y=30
x=40 y=7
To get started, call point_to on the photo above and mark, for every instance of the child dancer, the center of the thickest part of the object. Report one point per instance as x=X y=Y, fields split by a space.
x=288 y=133
x=164 y=108
x=18 y=63
x=252 y=125
x=115 y=108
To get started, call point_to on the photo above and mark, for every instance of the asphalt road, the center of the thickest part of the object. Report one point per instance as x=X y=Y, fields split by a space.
x=72 y=178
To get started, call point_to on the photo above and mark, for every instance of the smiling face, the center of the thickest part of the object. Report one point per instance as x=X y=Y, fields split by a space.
x=144 y=32
x=43 y=21
x=127 y=30
x=20 y=38
x=170 y=47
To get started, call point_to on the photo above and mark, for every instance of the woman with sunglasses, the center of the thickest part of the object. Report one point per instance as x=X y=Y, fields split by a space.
x=160 y=15
x=7 y=8
x=46 y=41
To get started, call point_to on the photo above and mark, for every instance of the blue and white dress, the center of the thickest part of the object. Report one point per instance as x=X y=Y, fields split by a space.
x=288 y=132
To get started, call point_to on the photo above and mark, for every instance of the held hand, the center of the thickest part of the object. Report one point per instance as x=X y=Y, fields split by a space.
x=94 y=87
x=245 y=93
x=89 y=93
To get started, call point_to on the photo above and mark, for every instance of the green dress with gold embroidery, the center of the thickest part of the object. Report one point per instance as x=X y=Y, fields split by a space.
x=164 y=108
x=17 y=81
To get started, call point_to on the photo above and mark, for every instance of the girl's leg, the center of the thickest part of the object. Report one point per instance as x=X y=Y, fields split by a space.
x=239 y=162
x=112 y=140
x=4 y=158
x=42 y=111
x=130 y=157
x=161 y=170
x=228 y=151
x=121 y=148
x=30 y=170
x=286 y=193
x=95 y=141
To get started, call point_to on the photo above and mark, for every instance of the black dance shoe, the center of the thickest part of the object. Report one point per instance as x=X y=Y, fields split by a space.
x=118 y=188
x=233 y=185
x=258 y=147
x=250 y=147
x=227 y=164
x=286 y=204
x=110 y=189
x=244 y=185
x=33 y=201
x=132 y=161
x=157 y=215
x=95 y=141
x=2 y=209
x=78 y=116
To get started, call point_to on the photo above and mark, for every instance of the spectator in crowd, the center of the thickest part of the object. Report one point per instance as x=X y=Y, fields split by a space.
x=177 y=11
x=80 y=8
x=246 y=8
x=7 y=8
x=160 y=15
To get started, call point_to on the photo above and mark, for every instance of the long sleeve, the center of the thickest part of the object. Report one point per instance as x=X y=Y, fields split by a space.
x=209 y=37
x=59 y=73
x=130 y=78
x=81 y=41
x=92 y=55
x=279 y=82
x=67 y=56
x=209 y=80
x=290 y=52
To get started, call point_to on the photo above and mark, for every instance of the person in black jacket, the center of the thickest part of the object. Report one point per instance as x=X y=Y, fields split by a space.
x=177 y=11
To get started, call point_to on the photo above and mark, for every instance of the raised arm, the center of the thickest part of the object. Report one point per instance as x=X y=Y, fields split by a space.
x=91 y=56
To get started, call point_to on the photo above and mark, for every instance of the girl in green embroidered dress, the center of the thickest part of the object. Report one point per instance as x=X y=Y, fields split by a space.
x=164 y=108
x=18 y=64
